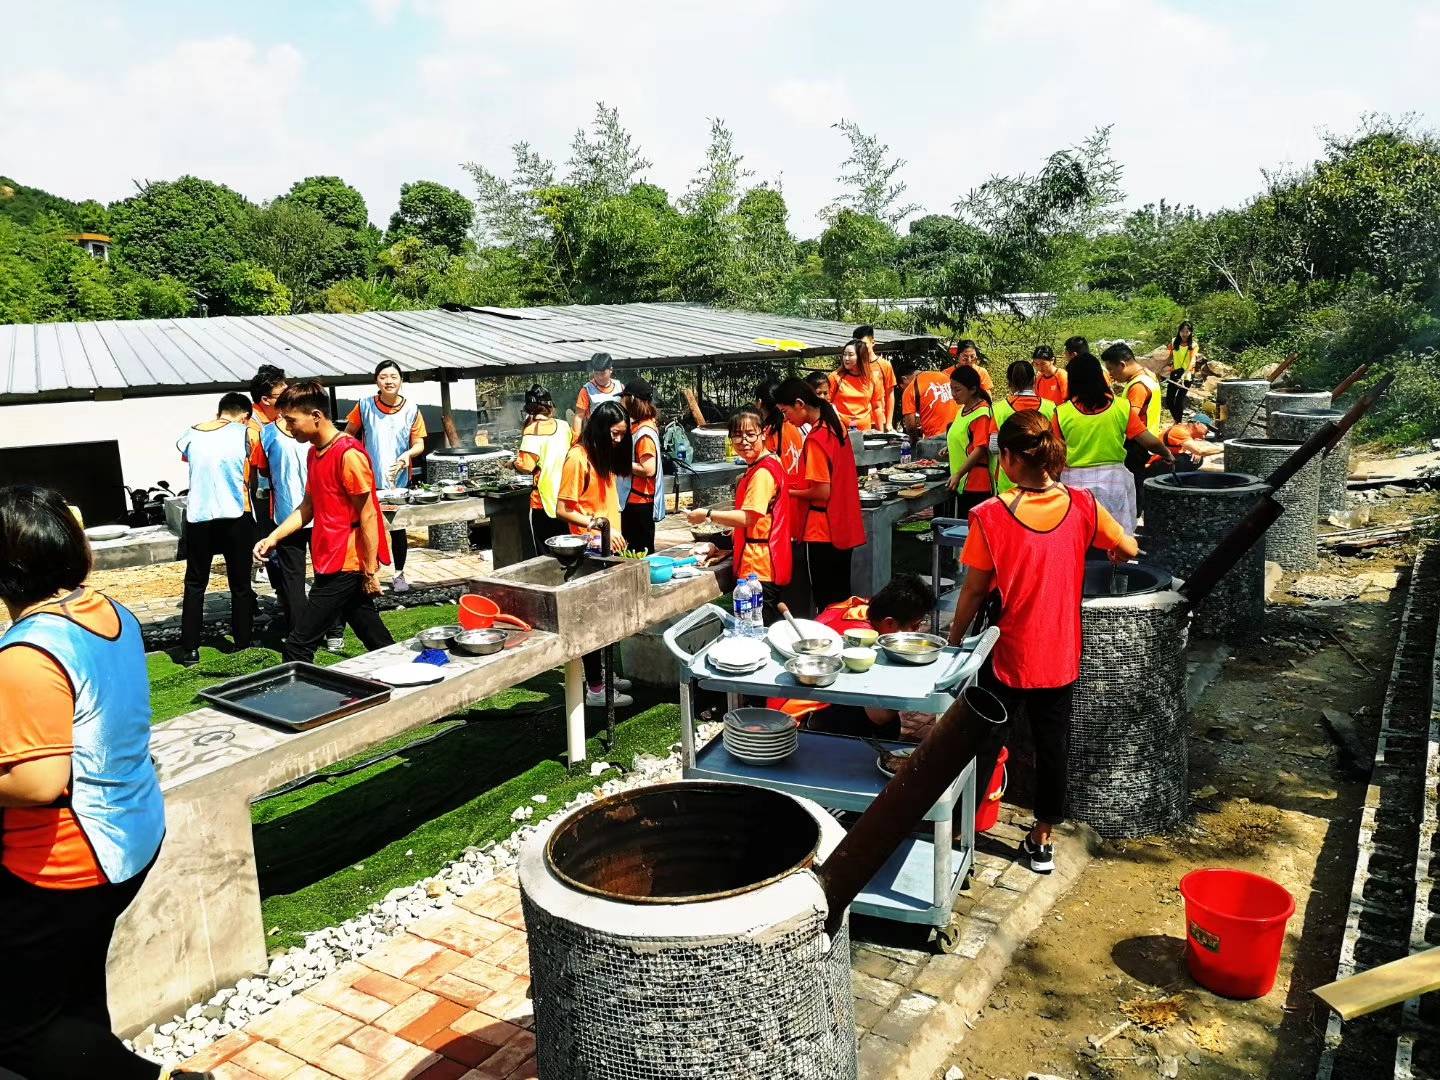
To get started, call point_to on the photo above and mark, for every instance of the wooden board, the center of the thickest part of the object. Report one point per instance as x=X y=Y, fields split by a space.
x=1388 y=984
x=694 y=404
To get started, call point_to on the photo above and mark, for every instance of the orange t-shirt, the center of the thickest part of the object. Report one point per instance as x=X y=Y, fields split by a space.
x=45 y=845
x=928 y=397
x=789 y=447
x=886 y=371
x=357 y=478
x=528 y=462
x=981 y=428
x=1040 y=511
x=817 y=471
x=1139 y=398
x=583 y=490
x=759 y=498
x=1055 y=387
x=265 y=414
x=417 y=429
x=858 y=399
x=986 y=383
x=647 y=448
x=582 y=399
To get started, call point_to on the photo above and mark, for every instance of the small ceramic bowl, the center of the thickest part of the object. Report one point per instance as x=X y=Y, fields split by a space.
x=861 y=637
x=858 y=658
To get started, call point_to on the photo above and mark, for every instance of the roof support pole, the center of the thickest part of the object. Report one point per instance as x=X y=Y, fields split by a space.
x=447 y=416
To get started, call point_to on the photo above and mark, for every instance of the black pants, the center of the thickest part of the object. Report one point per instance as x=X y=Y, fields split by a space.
x=234 y=539
x=56 y=1023
x=1176 y=393
x=595 y=669
x=829 y=574
x=399 y=548
x=335 y=599
x=965 y=501
x=543 y=527
x=1049 y=714
x=289 y=556
x=637 y=526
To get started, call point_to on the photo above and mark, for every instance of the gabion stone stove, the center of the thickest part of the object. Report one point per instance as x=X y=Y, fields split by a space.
x=1186 y=517
x=454 y=465
x=1129 y=750
x=1334 y=466
x=1241 y=404
x=1291 y=540
x=677 y=932
x=1297 y=401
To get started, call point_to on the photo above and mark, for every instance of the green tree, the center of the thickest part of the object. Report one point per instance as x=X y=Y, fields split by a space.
x=768 y=255
x=630 y=249
x=869 y=179
x=304 y=250
x=712 y=254
x=437 y=215
x=248 y=289
x=857 y=253
x=333 y=199
x=190 y=229
x=605 y=160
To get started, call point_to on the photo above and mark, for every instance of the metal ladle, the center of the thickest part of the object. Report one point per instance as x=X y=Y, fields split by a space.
x=803 y=646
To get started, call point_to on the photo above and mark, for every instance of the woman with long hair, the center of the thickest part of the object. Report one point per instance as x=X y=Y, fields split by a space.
x=1051 y=382
x=761 y=518
x=589 y=495
x=544 y=442
x=782 y=438
x=855 y=390
x=1021 y=396
x=1180 y=358
x=969 y=440
x=393 y=432
x=83 y=817
x=1094 y=424
x=826 y=495
x=1029 y=546
x=637 y=493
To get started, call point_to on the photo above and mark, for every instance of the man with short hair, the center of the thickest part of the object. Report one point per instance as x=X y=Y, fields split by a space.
x=218 y=520
x=602 y=386
x=1142 y=390
x=348 y=541
x=926 y=405
x=1075 y=346
x=265 y=389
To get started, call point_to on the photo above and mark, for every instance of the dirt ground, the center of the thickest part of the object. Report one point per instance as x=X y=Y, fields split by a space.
x=1272 y=794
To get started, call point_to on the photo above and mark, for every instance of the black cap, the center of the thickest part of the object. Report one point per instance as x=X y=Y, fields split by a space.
x=864 y=331
x=639 y=389
x=601 y=360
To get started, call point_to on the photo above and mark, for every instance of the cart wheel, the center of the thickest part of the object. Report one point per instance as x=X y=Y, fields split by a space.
x=947 y=939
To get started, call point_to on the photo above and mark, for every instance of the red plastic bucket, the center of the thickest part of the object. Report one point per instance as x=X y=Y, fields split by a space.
x=988 y=812
x=1234 y=928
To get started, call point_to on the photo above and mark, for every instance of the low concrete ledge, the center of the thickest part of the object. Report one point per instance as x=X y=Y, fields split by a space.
x=141 y=547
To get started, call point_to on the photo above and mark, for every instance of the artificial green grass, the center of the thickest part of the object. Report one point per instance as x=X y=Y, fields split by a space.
x=174 y=689
x=487 y=770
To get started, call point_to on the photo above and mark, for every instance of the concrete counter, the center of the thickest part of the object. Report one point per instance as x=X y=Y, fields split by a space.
x=870 y=568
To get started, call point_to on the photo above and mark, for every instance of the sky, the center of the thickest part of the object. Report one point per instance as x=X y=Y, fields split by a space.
x=96 y=96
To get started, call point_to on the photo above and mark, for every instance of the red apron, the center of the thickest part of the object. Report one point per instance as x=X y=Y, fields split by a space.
x=847 y=527
x=334 y=515
x=1041 y=580
x=779 y=539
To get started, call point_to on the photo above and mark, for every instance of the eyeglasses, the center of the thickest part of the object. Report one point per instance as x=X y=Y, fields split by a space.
x=749 y=436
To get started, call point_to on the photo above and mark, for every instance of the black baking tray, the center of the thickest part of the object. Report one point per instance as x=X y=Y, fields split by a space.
x=296 y=697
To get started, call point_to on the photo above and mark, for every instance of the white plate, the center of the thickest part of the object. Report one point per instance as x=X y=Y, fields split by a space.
x=408 y=674
x=738 y=652
x=745 y=738
x=782 y=637
x=754 y=759
x=906 y=477
x=107 y=532
x=783 y=750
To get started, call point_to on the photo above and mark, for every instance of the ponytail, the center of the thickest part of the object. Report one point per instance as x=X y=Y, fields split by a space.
x=792 y=390
x=1030 y=436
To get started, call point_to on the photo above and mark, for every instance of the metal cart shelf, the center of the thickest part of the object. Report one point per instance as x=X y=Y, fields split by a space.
x=919 y=883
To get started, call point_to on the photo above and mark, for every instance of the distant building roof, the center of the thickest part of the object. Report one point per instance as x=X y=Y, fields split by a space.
x=161 y=357
x=96 y=237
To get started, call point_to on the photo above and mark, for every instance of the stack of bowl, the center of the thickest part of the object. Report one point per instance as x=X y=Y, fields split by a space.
x=760 y=736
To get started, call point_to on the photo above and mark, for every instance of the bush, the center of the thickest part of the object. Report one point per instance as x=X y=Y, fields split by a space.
x=1224 y=320
x=1410 y=412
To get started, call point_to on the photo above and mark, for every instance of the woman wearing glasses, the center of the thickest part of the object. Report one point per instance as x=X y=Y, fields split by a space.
x=761 y=518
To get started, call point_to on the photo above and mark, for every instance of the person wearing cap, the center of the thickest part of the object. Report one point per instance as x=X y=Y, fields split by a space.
x=927 y=408
x=1190 y=443
x=544 y=442
x=884 y=371
x=602 y=386
x=638 y=491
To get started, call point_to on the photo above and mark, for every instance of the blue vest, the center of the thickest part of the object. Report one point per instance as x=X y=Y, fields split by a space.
x=217 y=471
x=115 y=794
x=289 y=461
x=624 y=484
x=386 y=437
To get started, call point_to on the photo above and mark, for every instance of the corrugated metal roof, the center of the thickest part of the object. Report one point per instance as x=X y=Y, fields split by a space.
x=157 y=357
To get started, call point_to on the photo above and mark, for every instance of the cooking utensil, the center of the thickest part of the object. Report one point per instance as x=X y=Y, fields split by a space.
x=862 y=637
x=912 y=648
x=912 y=492
x=455 y=491
x=816 y=671
x=424 y=496
x=393 y=496
x=870 y=501
x=106 y=532
x=782 y=636
x=567 y=549
x=663 y=567
x=296 y=697
x=479 y=642
x=439 y=637
x=805 y=646
x=481 y=613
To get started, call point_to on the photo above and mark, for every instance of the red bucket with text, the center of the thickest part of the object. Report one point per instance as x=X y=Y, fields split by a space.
x=988 y=812
x=1234 y=928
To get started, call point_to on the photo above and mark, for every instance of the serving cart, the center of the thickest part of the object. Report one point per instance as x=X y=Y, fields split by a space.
x=920 y=881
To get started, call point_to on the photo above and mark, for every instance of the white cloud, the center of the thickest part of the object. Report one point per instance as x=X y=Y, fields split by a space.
x=385 y=10
x=812 y=102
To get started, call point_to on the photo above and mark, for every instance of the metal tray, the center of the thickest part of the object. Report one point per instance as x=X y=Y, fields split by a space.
x=296 y=697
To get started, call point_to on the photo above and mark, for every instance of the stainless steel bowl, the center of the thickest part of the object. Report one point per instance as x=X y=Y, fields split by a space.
x=479 y=642
x=439 y=637
x=936 y=473
x=815 y=670
x=455 y=491
x=871 y=502
x=912 y=648
x=567 y=548
x=420 y=495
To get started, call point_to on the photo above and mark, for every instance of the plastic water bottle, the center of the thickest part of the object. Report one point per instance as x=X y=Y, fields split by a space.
x=755 y=614
x=904 y=449
x=740 y=601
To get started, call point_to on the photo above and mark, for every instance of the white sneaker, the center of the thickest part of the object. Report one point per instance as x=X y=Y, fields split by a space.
x=622 y=683
x=596 y=698
x=399 y=584
x=335 y=644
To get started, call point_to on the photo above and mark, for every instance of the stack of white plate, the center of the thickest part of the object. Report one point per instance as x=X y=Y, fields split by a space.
x=760 y=736
x=737 y=655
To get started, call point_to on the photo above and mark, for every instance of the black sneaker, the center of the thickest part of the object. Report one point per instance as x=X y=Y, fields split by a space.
x=1041 y=856
x=188 y=659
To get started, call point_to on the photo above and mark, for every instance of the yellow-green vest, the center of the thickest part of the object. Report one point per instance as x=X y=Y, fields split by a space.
x=1097 y=439
x=1152 y=409
x=1002 y=410
x=958 y=437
